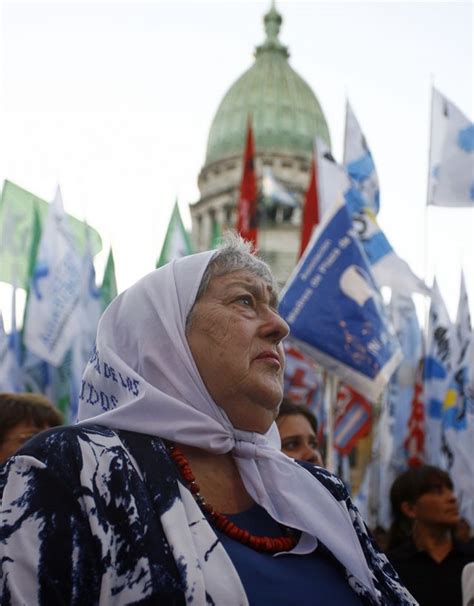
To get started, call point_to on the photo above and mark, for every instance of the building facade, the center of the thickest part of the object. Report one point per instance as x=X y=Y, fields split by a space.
x=286 y=117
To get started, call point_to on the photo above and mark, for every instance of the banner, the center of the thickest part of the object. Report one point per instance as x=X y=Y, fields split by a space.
x=17 y=208
x=335 y=311
x=304 y=383
x=353 y=419
x=451 y=170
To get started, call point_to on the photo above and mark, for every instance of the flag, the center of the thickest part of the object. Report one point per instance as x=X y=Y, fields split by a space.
x=247 y=217
x=359 y=163
x=335 y=311
x=10 y=354
x=373 y=498
x=438 y=366
x=401 y=389
x=387 y=267
x=458 y=413
x=108 y=290
x=89 y=311
x=51 y=320
x=176 y=243
x=274 y=192
x=463 y=325
x=353 y=419
x=216 y=234
x=304 y=383
x=414 y=443
x=451 y=170
x=17 y=230
x=310 y=210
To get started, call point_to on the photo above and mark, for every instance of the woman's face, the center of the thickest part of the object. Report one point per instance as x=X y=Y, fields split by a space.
x=437 y=507
x=235 y=337
x=298 y=439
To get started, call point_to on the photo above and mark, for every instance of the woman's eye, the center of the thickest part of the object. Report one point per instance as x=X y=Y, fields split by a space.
x=290 y=445
x=246 y=300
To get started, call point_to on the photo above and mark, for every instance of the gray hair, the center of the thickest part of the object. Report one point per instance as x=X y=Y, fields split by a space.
x=233 y=254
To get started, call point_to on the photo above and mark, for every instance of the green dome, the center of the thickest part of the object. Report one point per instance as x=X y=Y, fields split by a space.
x=285 y=113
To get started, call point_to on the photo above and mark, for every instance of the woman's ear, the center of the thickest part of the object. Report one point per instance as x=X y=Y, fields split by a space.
x=408 y=509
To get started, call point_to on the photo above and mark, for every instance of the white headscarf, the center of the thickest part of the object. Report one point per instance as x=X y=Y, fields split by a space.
x=142 y=377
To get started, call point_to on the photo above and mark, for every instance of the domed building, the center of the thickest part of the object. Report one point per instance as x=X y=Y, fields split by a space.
x=286 y=117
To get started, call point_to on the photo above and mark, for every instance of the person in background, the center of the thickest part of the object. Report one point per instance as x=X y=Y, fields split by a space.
x=422 y=547
x=22 y=416
x=298 y=428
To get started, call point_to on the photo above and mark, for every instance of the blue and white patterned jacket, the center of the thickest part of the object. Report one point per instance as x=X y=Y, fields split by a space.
x=94 y=516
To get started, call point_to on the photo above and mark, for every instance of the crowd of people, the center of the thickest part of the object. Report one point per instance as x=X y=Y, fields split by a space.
x=190 y=482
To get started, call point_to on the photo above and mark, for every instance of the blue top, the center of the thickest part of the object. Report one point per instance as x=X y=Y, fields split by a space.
x=306 y=580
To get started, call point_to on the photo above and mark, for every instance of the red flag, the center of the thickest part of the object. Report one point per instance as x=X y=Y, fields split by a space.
x=247 y=205
x=310 y=210
x=415 y=441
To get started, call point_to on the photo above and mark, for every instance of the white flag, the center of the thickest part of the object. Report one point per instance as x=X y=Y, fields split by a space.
x=451 y=172
x=51 y=319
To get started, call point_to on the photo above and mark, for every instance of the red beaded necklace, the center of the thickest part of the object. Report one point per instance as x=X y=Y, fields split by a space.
x=222 y=522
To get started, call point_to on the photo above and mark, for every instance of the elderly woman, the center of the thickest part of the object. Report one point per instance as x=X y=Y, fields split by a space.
x=172 y=488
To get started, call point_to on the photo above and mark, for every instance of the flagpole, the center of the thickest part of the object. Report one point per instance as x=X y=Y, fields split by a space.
x=330 y=399
x=426 y=214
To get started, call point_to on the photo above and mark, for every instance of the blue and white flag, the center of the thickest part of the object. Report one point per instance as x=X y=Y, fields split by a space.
x=335 y=311
x=451 y=171
x=51 y=319
x=458 y=414
x=438 y=367
x=387 y=267
x=360 y=164
x=11 y=378
x=89 y=312
x=401 y=388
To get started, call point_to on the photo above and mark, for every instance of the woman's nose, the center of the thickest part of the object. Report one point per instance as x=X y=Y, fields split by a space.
x=275 y=325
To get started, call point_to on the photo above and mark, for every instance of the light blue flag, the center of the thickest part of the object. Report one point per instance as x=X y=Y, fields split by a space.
x=451 y=172
x=51 y=318
x=438 y=366
x=335 y=311
x=360 y=165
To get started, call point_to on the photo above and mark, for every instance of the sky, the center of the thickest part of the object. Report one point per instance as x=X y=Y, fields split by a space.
x=114 y=101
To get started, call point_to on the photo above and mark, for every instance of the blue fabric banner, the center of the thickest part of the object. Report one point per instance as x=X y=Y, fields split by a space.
x=335 y=311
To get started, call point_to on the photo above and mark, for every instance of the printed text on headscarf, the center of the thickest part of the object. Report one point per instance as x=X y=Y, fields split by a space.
x=106 y=401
